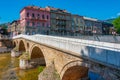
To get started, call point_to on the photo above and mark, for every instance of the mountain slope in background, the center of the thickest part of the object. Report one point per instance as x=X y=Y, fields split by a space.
x=110 y=20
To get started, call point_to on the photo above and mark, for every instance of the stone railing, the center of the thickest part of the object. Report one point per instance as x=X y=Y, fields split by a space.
x=108 y=53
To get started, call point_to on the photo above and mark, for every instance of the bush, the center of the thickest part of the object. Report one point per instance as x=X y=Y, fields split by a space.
x=40 y=68
x=25 y=56
x=16 y=49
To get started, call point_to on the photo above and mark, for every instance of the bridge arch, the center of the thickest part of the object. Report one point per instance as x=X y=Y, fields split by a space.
x=14 y=44
x=21 y=46
x=74 y=70
x=37 y=56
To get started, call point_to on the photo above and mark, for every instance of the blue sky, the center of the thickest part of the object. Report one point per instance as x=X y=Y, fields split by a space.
x=100 y=9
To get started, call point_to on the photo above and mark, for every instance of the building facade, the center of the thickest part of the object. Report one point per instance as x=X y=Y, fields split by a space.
x=59 y=21
x=55 y=21
x=34 y=20
x=14 y=28
x=92 y=26
x=77 y=25
x=107 y=28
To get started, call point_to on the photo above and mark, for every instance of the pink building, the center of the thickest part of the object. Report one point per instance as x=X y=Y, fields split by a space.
x=34 y=20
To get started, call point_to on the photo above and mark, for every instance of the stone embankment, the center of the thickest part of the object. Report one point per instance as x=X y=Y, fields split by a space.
x=5 y=49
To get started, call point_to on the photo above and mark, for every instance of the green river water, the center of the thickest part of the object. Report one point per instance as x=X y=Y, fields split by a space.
x=9 y=69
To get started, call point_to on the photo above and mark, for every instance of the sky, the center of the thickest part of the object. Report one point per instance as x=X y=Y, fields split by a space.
x=100 y=9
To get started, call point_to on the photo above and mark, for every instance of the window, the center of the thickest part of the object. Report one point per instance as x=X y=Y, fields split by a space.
x=53 y=15
x=38 y=24
x=33 y=15
x=81 y=21
x=47 y=25
x=47 y=17
x=38 y=15
x=77 y=20
x=27 y=14
x=43 y=17
x=28 y=23
x=43 y=24
x=33 y=24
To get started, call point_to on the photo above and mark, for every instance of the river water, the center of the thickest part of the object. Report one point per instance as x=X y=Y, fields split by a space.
x=9 y=69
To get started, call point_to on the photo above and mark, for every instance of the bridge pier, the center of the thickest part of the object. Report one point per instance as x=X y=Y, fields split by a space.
x=23 y=64
x=49 y=73
x=15 y=53
x=24 y=61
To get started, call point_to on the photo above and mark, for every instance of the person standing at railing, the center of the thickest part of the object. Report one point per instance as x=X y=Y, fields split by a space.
x=113 y=33
x=114 y=36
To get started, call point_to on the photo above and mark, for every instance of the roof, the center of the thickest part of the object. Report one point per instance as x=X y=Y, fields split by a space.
x=34 y=8
x=56 y=9
x=92 y=19
x=15 y=21
x=76 y=15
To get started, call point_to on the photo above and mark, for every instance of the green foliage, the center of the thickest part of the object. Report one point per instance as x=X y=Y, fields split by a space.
x=3 y=29
x=110 y=20
x=40 y=68
x=116 y=24
x=4 y=26
x=56 y=75
x=25 y=56
x=29 y=74
x=16 y=49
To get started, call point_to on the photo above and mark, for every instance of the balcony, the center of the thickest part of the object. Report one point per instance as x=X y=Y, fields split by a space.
x=36 y=19
x=62 y=24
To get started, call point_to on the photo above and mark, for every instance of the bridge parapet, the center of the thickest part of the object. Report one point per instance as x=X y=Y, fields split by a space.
x=103 y=52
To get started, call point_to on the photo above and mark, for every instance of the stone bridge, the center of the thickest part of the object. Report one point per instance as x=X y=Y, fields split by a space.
x=73 y=59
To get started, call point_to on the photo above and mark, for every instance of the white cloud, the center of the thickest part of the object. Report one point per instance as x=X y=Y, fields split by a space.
x=118 y=14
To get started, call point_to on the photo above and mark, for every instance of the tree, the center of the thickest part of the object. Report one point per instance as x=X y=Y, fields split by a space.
x=3 y=29
x=116 y=24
